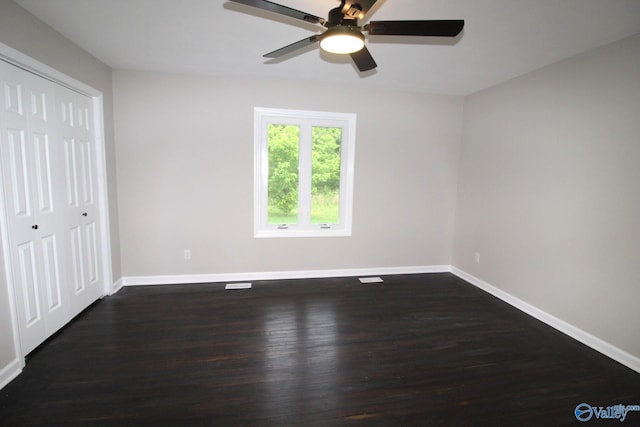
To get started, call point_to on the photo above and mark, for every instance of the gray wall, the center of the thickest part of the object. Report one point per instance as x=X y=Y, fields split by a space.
x=185 y=174
x=549 y=191
x=22 y=31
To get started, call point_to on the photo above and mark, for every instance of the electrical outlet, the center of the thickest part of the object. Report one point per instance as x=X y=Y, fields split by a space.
x=187 y=254
x=476 y=257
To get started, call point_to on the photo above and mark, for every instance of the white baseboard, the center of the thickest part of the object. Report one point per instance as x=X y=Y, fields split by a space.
x=278 y=275
x=594 y=342
x=116 y=286
x=9 y=372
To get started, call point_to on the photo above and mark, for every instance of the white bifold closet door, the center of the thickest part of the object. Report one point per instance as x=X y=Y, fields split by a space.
x=48 y=174
x=76 y=136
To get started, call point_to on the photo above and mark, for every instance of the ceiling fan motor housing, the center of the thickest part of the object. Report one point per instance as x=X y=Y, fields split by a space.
x=336 y=17
x=351 y=9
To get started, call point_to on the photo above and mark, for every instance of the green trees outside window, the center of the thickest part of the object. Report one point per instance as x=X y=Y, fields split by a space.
x=284 y=178
x=325 y=175
x=284 y=147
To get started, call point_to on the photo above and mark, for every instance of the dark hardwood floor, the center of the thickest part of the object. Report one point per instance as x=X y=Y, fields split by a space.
x=415 y=350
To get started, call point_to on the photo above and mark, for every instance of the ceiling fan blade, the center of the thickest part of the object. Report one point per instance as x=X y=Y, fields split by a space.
x=444 y=28
x=293 y=47
x=363 y=60
x=282 y=10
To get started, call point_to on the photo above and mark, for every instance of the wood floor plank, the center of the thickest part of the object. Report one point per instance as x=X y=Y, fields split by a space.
x=414 y=350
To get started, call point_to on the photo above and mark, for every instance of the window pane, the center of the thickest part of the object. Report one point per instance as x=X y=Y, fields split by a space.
x=325 y=175
x=284 y=141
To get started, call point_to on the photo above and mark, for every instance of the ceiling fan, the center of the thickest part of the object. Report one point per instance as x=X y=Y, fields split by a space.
x=344 y=36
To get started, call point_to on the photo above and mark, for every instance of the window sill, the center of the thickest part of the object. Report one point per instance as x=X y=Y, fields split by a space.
x=261 y=234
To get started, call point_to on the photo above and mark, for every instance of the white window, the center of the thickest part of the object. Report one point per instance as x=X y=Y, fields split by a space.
x=303 y=173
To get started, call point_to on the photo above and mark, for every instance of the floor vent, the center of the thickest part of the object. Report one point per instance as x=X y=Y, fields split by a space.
x=238 y=286
x=371 y=280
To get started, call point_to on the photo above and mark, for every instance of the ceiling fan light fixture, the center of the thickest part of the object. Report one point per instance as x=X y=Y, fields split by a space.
x=342 y=40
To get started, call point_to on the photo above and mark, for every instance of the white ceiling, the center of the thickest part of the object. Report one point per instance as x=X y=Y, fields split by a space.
x=502 y=38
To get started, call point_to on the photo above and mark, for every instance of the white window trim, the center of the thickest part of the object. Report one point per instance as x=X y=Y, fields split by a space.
x=264 y=116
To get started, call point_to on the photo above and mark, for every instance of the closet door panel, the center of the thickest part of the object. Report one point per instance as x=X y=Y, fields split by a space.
x=86 y=178
x=41 y=145
x=71 y=176
x=48 y=198
x=51 y=270
x=28 y=279
x=55 y=293
x=16 y=154
x=74 y=112
x=16 y=167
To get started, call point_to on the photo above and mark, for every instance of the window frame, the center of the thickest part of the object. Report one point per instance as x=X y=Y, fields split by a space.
x=304 y=118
